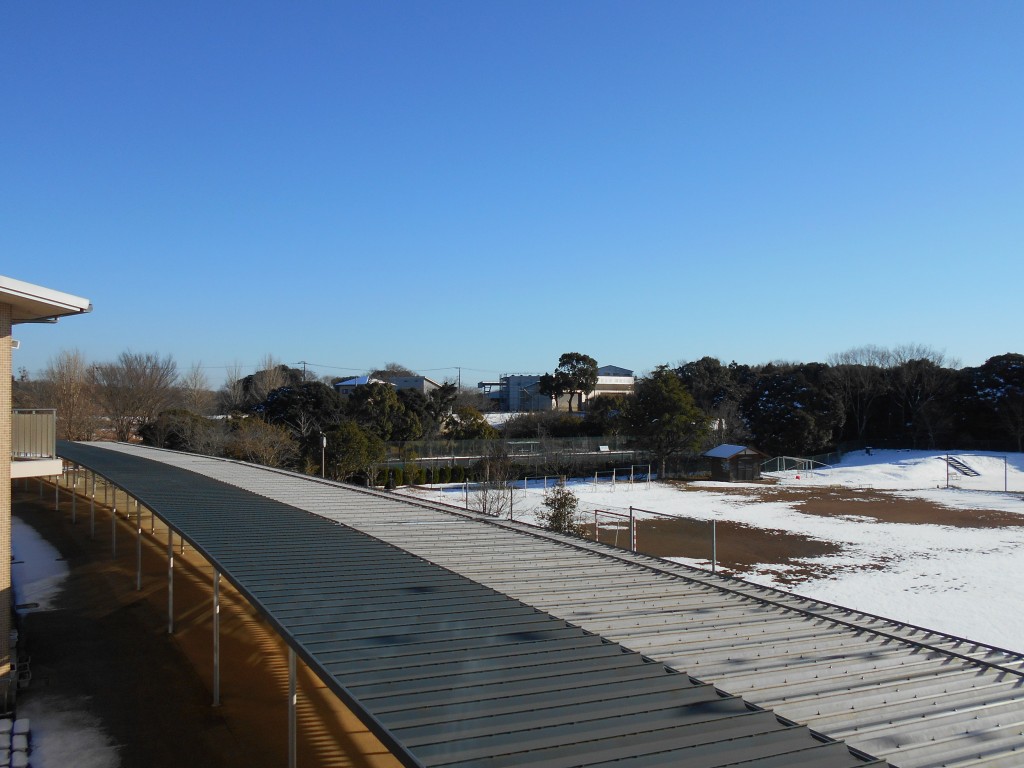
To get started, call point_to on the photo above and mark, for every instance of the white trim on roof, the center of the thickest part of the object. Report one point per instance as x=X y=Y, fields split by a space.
x=34 y=303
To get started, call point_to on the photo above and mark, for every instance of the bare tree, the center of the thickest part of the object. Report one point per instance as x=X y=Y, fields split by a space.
x=134 y=390
x=859 y=380
x=196 y=395
x=391 y=371
x=270 y=375
x=256 y=441
x=920 y=377
x=493 y=495
x=231 y=396
x=67 y=387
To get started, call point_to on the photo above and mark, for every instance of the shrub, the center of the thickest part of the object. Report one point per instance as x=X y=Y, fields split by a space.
x=561 y=511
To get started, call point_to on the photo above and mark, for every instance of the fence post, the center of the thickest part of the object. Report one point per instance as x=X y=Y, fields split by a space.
x=632 y=530
x=714 y=545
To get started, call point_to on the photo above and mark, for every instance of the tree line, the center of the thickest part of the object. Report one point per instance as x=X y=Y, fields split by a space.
x=909 y=396
x=278 y=416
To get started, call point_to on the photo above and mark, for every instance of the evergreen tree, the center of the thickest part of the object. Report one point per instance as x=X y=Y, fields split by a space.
x=663 y=418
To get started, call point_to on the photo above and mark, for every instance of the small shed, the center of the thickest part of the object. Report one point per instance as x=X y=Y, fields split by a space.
x=735 y=463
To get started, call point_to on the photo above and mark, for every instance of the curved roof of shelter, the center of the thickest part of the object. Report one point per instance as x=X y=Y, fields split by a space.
x=445 y=670
x=914 y=696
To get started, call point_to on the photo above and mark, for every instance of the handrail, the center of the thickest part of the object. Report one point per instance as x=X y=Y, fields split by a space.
x=34 y=433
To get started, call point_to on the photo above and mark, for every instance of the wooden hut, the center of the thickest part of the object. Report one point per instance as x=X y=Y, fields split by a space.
x=735 y=463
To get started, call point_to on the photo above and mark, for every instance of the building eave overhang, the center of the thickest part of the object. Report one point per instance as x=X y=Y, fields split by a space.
x=36 y=304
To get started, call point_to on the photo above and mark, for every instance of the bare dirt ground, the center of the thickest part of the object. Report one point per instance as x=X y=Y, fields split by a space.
x=106 y=648
x=741 y=548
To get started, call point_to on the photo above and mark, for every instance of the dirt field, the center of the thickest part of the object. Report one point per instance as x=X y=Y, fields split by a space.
x=741 y=547
x=106 y=648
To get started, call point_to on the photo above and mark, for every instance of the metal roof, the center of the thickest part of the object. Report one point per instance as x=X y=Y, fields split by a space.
x=444 y=669
x=34 y=303
x=909 y=694
x=727 y=451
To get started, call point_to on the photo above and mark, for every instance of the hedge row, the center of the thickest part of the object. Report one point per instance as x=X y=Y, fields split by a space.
x=418 y=475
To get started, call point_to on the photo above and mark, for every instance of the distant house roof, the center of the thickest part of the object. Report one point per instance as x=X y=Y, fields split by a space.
x=613 y=370
x=358 y=381
x=727 y=451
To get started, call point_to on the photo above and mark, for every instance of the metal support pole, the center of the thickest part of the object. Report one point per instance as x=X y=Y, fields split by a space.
x=56 y=493
x=170 y=580
x=138 y=547
x=113 y=528
x=292 y=700
x=74 y=501
x=632 y=530
x=216 y=638
x=92 y=509
x=714 y=546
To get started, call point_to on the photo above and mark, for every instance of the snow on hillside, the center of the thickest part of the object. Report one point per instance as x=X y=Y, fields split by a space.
x=966 y=581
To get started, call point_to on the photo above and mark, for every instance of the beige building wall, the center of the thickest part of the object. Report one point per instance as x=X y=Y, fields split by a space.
x=6 y=602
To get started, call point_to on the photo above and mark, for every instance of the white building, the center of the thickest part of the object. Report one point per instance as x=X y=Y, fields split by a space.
x=519 y=392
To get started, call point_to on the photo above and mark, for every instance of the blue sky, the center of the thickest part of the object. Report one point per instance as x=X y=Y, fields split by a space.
x=490 y=184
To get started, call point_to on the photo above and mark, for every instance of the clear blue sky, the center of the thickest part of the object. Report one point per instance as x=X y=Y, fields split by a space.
x=490 y=184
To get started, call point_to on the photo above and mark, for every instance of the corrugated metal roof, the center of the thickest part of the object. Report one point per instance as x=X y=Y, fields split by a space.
x=913 y=695
x=444 y=669
x=726 y=451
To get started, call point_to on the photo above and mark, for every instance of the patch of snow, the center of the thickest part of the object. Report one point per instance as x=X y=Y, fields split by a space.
x=65 y=732
x=37 y=571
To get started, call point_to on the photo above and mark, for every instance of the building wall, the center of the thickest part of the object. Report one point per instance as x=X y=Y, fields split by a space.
x=419 y=383
x=5 y=502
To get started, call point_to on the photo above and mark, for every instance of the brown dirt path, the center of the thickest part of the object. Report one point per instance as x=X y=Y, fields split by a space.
x=108 y=644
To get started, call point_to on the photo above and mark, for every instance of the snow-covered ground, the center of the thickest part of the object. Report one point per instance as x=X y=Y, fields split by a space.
x=36 y=568
x=966 y=581
x=64 y=732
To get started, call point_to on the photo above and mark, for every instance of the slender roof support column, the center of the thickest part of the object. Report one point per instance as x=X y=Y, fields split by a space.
x=92 y=509
x=113 y=526
x=138 y=547
x=74 y=496
x=170 y=580
x=216 y=638
x=56 y=493
x=292 y=699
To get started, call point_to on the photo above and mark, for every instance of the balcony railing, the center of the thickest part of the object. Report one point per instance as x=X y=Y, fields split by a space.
x=34 y=433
